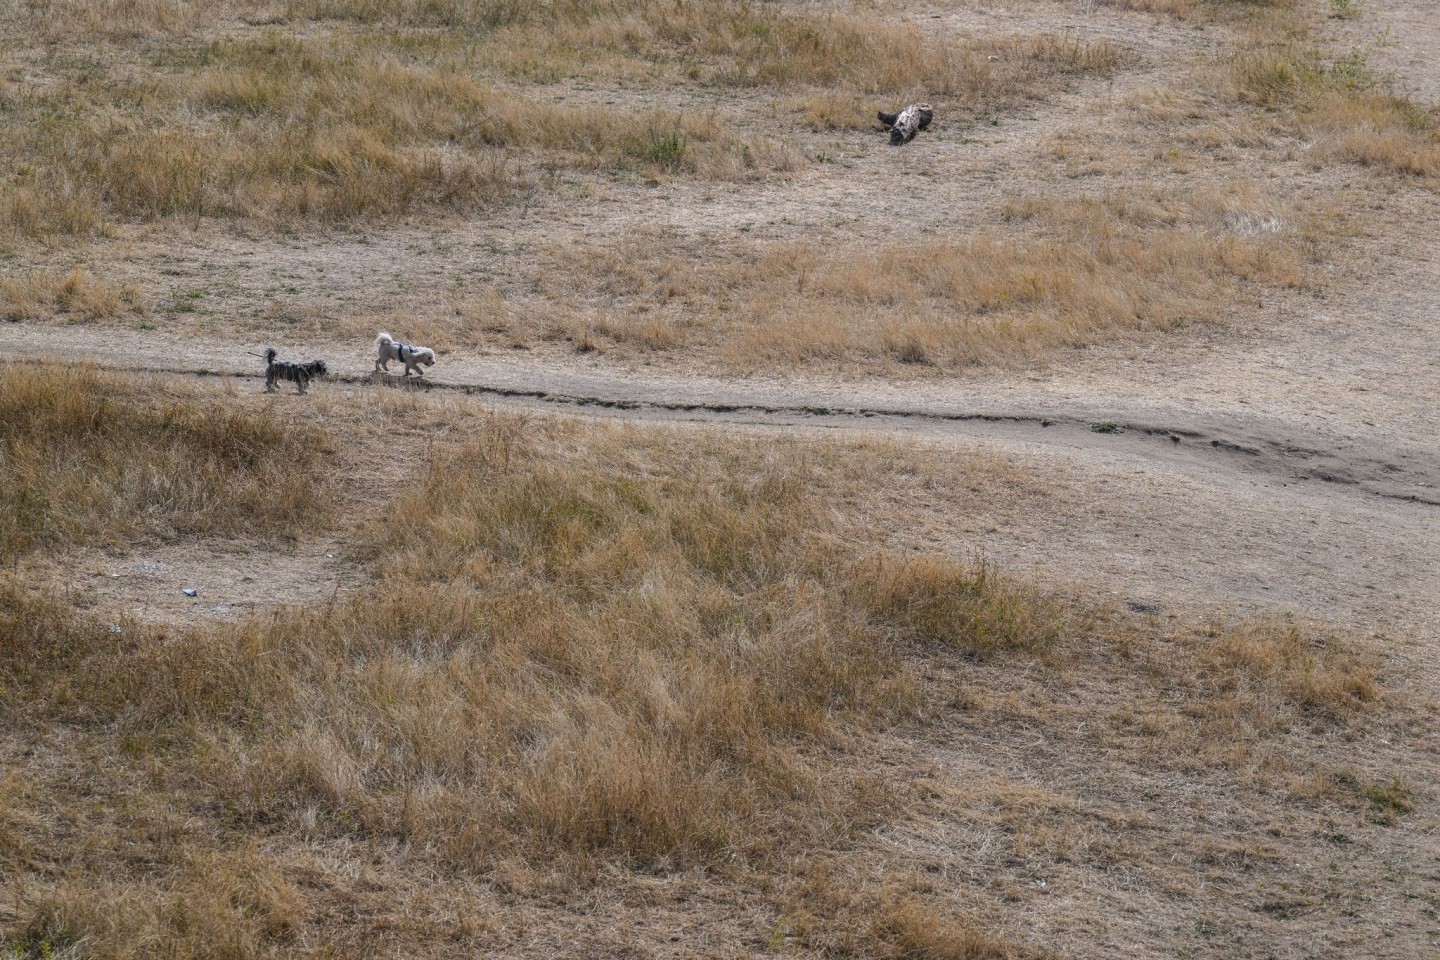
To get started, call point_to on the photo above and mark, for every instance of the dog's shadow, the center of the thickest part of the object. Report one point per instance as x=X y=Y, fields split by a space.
x=398 y=381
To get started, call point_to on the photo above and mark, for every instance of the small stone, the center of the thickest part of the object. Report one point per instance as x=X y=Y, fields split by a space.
x=190 y=593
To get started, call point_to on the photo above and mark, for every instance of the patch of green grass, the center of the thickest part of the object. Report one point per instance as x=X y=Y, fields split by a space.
x=1389 y=800
x=1345 y=9
x=666 y=149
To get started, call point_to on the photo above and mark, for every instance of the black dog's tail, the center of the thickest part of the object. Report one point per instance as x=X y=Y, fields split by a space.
x=270 y=354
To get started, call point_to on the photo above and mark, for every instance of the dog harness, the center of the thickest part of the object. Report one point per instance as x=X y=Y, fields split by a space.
x=400 y=353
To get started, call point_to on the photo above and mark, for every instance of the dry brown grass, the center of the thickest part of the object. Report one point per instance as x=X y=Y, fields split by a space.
x=1248 y=687
x=973 y=610
x=827 y=912
x=229 y=904
x=735 y=43
x=84 y=460
x=283 y=130
x=1328 y=104
x=76 y=296
x=1183 y=9
x=392 y=118
x=1283 y=664
x=597 y=656
x=631 y=666
x=1335 y=101
x=1072 y=272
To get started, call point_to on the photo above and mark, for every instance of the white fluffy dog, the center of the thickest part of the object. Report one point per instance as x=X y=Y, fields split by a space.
x=387 y=349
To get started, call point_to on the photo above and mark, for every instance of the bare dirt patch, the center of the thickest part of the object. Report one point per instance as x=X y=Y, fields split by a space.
x=230 y=582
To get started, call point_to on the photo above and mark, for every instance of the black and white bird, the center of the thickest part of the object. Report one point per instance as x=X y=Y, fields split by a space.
x=904 y=125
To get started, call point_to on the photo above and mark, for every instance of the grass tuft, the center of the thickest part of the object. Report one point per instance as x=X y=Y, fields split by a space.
x=77 y=296
x=1349 y=113
x=1069 y=273
x=933 y=601
x=1270 y=661
x=81 y=462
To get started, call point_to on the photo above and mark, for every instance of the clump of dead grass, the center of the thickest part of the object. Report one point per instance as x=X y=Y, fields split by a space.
x=599 y=649
x=833 y=913
x=84 y=461
x=1338 y=103
x=1231 y=693
x=76 y=295
x=971 y=609
x=1276 y=667
x=1073 y=272
x=234 y=904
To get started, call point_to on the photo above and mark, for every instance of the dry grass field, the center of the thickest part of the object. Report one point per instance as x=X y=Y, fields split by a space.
x=1121 y=173
x=1016 y=544
x=619 y=688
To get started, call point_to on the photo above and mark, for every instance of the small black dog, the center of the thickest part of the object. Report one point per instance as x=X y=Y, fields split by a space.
x=299 y=374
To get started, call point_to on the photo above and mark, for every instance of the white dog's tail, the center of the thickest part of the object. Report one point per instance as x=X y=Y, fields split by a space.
x=383 y=337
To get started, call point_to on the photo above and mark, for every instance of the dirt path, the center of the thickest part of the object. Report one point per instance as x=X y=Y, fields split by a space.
x=1182 y=507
